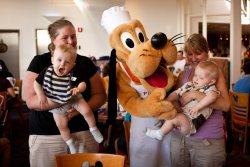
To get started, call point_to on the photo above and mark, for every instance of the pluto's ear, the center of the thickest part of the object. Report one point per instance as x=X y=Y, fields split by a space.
x=112 y=96
x=112 y=103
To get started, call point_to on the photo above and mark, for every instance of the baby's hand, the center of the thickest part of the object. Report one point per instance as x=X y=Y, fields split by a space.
x=75 y=91
x=194 y=112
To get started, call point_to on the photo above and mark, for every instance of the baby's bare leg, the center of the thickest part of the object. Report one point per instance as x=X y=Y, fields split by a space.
x=180 y=121
x=62 y=124
x=86 y=111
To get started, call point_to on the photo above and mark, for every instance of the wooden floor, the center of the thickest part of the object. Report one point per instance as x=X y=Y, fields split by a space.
x=20 y=151
x=236 y=158
x=18 y=137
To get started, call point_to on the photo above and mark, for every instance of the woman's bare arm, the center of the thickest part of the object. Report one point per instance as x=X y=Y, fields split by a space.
x=30 y=95
x=98 y=94
x=172 y=96
x=221 y=103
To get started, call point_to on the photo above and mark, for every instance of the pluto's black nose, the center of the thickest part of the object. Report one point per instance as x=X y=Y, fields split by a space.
x=159 y=40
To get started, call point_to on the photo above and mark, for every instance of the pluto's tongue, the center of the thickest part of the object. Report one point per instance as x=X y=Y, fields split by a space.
x=158 y=79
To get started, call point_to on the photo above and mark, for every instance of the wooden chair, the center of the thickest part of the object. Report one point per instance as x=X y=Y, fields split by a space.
x=17 y=105
x=3 y=101
x=240 y=114
x=76 y=160
x=126 y=125
x=3 y=111
x=18 y=88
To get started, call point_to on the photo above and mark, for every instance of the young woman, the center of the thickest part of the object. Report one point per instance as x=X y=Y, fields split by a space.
x=45 y=140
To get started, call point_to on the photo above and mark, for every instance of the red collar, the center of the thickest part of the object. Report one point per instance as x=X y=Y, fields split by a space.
x=131 y=75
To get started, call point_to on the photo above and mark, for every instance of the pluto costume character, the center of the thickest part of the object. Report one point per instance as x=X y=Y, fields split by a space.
x=142 y=80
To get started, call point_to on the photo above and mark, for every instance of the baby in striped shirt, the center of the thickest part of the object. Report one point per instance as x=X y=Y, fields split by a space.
x=58 y=84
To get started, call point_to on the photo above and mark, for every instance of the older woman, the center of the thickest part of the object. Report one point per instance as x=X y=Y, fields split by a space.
x=207 y=147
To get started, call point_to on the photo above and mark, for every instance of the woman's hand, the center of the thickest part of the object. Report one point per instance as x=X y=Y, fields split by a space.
x=98 y=94
x=43 y=101
x=189 y=96
x=31 y=97
x=177 y=106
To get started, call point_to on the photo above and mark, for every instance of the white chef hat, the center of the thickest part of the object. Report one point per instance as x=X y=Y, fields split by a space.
x=113 y=17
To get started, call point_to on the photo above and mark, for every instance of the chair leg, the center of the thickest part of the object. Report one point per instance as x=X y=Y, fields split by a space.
x=17 y=107
x=245 y=140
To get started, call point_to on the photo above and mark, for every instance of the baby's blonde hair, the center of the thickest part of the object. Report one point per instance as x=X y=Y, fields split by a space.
x=211 y=68
x=67 y=48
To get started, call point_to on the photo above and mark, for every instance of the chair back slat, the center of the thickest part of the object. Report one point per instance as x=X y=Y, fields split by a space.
x=239 y=106
x=107 y=160
x=127 y=125
x=3 y=100
x=18 y=88
x=3 y=112
x=240 y=114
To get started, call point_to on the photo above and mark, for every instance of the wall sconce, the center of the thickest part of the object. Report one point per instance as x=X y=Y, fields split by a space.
x=53 y=18
x=3 y=47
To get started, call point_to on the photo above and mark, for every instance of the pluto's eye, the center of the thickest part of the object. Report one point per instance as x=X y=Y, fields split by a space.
x=140 y=34
x=127 y=40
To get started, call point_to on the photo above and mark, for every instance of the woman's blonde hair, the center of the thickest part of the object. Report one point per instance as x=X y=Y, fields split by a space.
x=197 y=44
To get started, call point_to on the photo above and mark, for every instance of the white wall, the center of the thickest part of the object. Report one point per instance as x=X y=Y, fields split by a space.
x=156 y=16
x=27 y=16
x=217 y=12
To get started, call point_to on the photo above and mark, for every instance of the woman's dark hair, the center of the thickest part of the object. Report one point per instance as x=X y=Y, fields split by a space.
x=246 y=67
x=197 y=44
x=105 y=70
x=4 y=72
x=180 y=51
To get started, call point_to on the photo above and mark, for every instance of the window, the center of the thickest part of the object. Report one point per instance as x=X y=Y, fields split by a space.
x=42 y=41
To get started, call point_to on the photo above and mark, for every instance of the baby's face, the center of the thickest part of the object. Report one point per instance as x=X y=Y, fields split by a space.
x=201 y=77
x=62 y=62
